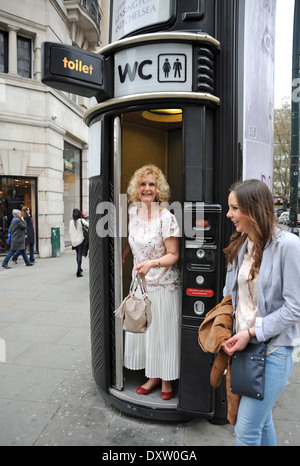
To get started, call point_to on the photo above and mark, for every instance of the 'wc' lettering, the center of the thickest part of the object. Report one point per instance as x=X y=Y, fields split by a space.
x=136 y=69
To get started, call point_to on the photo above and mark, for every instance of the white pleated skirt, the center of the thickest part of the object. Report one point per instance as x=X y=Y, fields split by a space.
x=158 y=350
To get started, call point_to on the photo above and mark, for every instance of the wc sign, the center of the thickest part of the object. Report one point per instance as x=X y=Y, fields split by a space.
x=154 y=68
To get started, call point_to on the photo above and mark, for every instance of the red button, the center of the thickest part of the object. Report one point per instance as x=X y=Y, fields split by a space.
x=199 y=292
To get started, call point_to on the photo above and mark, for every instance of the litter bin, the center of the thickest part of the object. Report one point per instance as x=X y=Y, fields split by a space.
x=55 y=241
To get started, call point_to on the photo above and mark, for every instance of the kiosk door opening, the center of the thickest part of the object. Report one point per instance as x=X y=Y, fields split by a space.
x=142 y=138
x=151 y=142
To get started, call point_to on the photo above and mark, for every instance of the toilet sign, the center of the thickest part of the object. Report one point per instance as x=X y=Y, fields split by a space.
x=71 y=69
x=154 y=68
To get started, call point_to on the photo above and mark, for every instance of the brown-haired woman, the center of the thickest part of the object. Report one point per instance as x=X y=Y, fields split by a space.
x=263 y=279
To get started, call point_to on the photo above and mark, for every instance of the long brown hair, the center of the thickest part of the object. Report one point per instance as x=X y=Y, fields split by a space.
x=254 y=200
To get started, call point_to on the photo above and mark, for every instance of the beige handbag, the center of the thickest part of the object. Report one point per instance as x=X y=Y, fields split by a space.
x=135 y=313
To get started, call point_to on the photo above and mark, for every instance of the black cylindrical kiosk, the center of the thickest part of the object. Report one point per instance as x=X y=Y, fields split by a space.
x=137 y=127
x=170 y=90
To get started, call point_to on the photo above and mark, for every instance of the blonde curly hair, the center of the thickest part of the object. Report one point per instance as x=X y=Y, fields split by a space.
x=163 y=189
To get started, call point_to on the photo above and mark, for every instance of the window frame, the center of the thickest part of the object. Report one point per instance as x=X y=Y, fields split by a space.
x=5 y=54
x=28 y=40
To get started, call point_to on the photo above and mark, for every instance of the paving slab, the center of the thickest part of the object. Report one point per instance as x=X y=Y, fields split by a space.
x=48 y=396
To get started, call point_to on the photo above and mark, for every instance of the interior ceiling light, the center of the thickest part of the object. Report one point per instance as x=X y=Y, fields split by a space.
x=170 y=115
x=167 y=111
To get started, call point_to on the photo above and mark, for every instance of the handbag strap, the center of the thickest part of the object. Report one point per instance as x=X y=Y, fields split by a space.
x=138 y=280
x=142 y=283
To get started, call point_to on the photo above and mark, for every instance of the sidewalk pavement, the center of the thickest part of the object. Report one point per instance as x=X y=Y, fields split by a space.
x=47 y=392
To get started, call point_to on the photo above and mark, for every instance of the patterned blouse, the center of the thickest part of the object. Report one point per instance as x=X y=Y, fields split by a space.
x=146 y=239
x=246 y=311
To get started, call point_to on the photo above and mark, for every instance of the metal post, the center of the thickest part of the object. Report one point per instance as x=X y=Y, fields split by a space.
x=294 y=175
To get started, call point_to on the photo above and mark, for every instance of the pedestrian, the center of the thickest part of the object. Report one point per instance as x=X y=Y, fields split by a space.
x=153 y=241
x=29 y=236
x=85 y=234
x=77 y=237
x=85 y=215
x=17 y=227
x=263 y=279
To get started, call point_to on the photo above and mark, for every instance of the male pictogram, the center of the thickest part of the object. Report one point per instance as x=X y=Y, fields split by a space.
x=177 y=67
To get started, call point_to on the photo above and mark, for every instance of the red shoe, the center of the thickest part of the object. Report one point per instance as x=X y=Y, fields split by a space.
x=166 y=395
x=146 y=391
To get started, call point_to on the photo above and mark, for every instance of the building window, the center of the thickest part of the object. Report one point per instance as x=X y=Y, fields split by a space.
x=24 y=56
x=3 y=52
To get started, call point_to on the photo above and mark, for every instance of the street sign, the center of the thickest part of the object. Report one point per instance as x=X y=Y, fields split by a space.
x=74 y=70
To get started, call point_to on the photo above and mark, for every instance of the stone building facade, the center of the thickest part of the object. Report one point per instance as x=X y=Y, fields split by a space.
x=44 y=143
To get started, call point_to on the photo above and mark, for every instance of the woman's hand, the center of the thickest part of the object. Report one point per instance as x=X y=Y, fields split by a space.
x=144 y=267
x=236 y=343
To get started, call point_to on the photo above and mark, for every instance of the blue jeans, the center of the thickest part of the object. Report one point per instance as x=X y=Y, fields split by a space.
x=79 y=252
x=31 y=253
x=254 y=425
x=12 y=252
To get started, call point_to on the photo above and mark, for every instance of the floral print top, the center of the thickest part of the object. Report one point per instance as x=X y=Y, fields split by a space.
x=246 y=311
x=146 y=239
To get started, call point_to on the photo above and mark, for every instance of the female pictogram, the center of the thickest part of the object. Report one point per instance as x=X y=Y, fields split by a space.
x=167 y=68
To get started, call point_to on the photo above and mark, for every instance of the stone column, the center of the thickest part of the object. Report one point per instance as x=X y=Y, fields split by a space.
x=12 y=50
x=37 y=60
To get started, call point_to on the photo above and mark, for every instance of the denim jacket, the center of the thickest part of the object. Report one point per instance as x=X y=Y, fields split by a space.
x=278 y=289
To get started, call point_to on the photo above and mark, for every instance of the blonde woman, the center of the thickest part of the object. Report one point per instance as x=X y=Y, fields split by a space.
x=153 y=241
